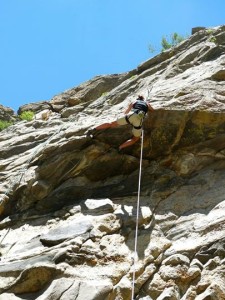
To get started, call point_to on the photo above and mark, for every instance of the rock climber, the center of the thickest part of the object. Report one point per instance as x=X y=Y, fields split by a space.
x=134 y=115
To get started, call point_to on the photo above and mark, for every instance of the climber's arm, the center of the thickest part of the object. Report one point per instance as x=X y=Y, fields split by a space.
x=150 y=107
x=128 y=108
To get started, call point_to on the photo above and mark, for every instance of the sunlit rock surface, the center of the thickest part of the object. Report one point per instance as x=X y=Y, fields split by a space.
x=68 y=202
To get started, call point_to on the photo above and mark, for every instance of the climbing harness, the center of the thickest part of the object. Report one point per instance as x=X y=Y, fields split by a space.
x=137 y=215
x=140 y=115
x=128 y=121
x=140 y=109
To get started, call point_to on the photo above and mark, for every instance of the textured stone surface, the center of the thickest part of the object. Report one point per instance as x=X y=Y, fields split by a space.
x=7 y=114
x=68 y=202
x=66 y=232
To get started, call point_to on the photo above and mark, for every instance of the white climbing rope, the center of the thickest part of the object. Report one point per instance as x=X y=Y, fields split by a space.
x=137 y=216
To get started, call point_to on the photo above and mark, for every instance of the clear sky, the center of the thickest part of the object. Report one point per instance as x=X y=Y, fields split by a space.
x=49 y=46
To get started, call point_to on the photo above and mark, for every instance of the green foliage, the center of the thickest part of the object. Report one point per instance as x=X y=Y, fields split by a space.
x=27 y=115
x=167 y=43
x=132 y=77
x=104 y=94
x=209 y=31
x=4 y=124
x=174 y=40
x=213 y=39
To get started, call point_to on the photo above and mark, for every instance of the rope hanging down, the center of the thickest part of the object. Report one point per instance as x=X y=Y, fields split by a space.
x=137 y=216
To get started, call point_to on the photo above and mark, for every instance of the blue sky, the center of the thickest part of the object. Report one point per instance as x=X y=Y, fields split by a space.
x=49 y=46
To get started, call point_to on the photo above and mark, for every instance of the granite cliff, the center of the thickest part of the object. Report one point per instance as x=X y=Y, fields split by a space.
x=68 y=202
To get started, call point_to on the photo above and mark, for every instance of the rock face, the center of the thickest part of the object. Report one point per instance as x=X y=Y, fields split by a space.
x=68 y=202
x=7 y=114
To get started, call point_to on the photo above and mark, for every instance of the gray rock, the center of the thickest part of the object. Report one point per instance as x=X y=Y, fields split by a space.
x=60 y=288
x=68 y=289
x=101 y=206
x=33 y=279
x=94 y=290
x=196 y=262
x=17 y=266
x=176 y=259
x=74 y=229
x=9 y=296
x=7 y=114
x=69 y=201
x=170 y=293
x=35 y=107
x=70 y=111
x=197 y=29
